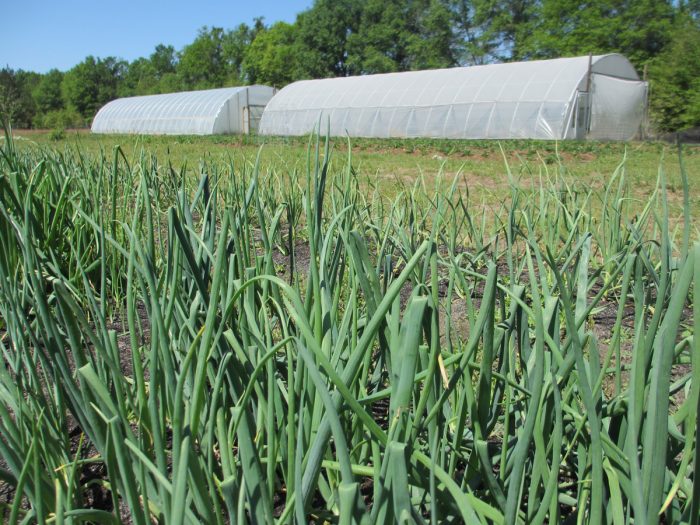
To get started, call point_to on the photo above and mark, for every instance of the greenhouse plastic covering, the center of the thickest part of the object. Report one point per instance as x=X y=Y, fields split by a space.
x=617 y=107
x=214 y=111
x=600 y=97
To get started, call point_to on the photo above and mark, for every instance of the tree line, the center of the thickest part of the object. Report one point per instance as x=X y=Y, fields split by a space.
x=352 y=37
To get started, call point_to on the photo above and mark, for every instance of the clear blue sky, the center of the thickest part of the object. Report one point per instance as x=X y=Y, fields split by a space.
x=38 y=35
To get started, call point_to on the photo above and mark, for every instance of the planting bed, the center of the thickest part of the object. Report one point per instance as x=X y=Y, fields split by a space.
x=239 y=343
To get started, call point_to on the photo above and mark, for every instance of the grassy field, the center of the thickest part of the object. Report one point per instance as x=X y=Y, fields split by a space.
x=416 y=332
x=393 y=163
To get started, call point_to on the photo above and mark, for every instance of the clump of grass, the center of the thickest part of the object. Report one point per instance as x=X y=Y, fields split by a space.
x=57 y=134
x=237 y=346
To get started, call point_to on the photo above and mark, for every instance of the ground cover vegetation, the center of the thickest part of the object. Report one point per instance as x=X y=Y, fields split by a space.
x=351 y=37
x=232 y=343
x=477 y=164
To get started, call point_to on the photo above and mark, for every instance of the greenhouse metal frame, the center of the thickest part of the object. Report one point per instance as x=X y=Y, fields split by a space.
x=596 y=97
x=206 y=112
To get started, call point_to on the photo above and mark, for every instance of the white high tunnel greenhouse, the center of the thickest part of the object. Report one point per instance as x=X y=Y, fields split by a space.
x=208 y=112
x=598 y=97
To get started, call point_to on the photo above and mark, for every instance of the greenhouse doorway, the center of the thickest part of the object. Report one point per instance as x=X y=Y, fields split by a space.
x=582 y=115
x=251 y=118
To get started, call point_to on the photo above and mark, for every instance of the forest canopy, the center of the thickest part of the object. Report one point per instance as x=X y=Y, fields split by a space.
x=352 y=37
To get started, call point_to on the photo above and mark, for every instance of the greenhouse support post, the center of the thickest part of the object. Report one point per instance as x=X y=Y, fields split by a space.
x=645 y=110
x=589 y=100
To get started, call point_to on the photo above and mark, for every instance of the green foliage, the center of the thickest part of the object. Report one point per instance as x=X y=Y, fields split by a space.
x=474 y=46
x=348 y=37
x=272 y=57
x=163 y=60
x=675 y=80
x=401 y=36
x=235 y=47
x=431 y=46
x=505 y=26
x=241 y=345
x=201 y=62
x=216 y=57
x=93 y=83
x=47 y=94
x=57 y=134
x=639 y=29
x=16 y=103
x=322 y=34
x=60 y=119
x=140 y=78
x=156 y=74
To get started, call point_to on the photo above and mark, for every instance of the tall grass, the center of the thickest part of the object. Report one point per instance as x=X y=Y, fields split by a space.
x=292 y=347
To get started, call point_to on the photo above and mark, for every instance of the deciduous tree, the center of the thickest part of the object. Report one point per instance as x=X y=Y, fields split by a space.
x=93 y=83
x=47 y=94
x=639 y=29
x=322 y=33
x=272 y=58
x=163 y=60
x=675 y=79
x=202 y=63
x=399 y=36
x=16 y=103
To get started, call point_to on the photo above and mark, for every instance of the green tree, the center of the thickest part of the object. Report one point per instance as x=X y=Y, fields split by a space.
x=271 y=57
x=93 y=83
x=675 y=80
x=322 y=33
x=638 y=29
x=202 y=63
x=155 y=74
x=380 y=44
x=16 y=103
x=396 y=35
x=169 y=83
x=163 y=60
x=139 y=79
x=432 y=45
x=689 y=8
x=235 y=46
x=503 y=26
x=475 y=42
x=47 y=94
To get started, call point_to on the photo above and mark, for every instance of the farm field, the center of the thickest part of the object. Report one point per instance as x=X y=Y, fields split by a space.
x=411 y=331
x=392 y=163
